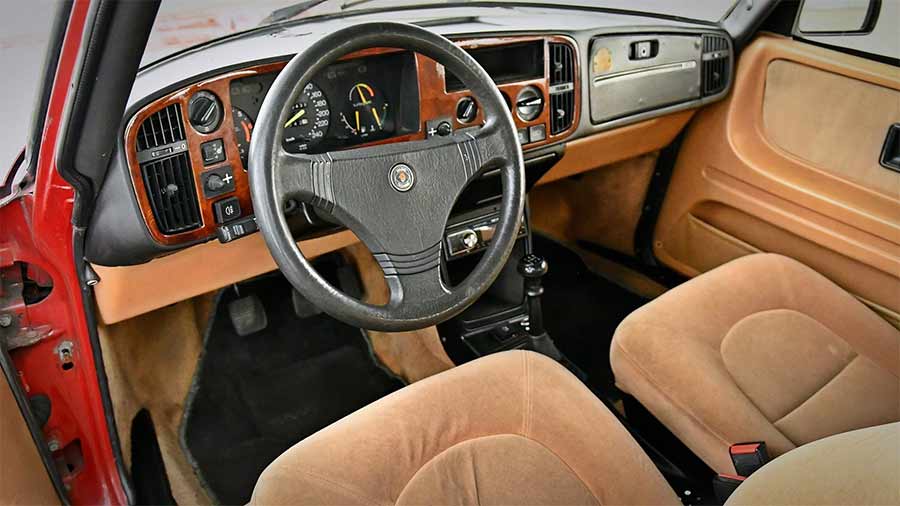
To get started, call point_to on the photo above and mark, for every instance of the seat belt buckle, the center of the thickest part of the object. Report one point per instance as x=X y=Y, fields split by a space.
x=724 y=485
x=748 y=457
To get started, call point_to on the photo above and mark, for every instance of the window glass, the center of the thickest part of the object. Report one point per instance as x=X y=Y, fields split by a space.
x=24 y=36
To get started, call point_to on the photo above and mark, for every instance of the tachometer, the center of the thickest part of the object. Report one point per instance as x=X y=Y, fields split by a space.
x=243 y=128
x=308 y=120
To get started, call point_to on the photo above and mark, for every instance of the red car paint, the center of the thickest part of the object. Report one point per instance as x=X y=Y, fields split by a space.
x=37 y=229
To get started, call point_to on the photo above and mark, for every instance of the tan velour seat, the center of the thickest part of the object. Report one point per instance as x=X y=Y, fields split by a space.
x=510 y=428
x=857 y=467
x=760 y=349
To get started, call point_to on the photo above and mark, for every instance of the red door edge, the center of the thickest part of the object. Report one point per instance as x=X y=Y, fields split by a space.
x=36 y=229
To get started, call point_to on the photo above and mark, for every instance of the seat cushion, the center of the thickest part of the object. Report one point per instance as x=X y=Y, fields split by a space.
x=859 y=468
x=510 y=428
x=760 y=349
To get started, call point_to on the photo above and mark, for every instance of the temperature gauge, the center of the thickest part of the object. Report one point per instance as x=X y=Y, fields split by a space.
x=367 y=113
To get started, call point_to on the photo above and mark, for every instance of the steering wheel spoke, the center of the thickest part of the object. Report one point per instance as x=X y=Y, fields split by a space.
x=413 y=277
x=307 y=178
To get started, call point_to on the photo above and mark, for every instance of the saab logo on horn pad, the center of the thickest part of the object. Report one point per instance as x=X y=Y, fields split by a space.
x=402 y=177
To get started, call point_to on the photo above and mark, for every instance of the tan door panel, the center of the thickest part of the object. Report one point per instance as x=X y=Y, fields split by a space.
x=23 y=477
x=789 y=164
x=798 y=96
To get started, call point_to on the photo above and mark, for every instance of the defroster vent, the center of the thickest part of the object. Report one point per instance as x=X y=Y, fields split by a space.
x=173 y=198
x=716 y=64
x=562 y=87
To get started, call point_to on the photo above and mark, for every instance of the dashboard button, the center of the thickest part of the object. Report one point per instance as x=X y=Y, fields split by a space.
x=213 y=152
x=523 y=136
x=538 y=133
x=227 y=210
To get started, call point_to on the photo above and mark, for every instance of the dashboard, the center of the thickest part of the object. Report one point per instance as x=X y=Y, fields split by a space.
x=179 y=176
x=198 y=138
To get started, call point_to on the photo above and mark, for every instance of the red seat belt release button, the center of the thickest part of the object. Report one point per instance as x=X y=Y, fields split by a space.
x=748 y=457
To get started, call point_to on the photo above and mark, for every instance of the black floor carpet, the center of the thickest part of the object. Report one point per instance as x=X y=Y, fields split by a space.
x=255 y=396
x=582 y=310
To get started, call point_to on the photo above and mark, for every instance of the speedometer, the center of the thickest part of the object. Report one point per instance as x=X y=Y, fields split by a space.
x=308 y=120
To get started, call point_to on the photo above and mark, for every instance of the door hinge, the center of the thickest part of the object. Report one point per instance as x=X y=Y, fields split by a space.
x=16 y=329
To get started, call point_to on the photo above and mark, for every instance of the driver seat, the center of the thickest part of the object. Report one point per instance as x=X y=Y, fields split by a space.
x=517 y=428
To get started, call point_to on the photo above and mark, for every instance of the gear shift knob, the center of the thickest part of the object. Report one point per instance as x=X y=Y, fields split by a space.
x=533 y=268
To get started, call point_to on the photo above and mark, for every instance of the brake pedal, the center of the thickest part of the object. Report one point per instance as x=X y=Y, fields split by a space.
x=349 y=282
x=303 y=308
x=247 y=315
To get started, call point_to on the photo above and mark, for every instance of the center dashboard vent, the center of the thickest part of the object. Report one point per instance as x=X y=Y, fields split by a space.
x=167 y=173
x=562 y=87
x=716 y=64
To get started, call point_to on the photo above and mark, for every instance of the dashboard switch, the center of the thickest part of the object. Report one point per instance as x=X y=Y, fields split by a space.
x=538 y=132
x=237 y=229
x=444 y=128
x=217 y=181
x=213 y=152
x=523 y=136
x=227 y=210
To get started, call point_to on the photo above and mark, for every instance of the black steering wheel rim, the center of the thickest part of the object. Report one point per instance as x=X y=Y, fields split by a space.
x=408 y=258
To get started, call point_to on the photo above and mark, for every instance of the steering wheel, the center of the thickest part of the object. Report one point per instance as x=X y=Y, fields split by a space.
x=395 y=197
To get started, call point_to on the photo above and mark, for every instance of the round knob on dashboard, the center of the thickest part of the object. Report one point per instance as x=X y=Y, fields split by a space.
x=529 y=103
x=214 y=183
x=444 y=128
x=204 y=112
x=466 y=110
x=470 y=239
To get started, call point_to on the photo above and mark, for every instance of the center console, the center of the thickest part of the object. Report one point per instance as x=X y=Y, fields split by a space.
x=498 y=320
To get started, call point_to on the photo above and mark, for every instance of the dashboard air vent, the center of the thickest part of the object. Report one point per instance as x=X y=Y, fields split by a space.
x=161 y=128
x=173 y=198
x=716 y=64
x=562 y=87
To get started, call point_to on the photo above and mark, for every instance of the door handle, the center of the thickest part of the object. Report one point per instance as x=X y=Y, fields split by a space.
x=890 y=152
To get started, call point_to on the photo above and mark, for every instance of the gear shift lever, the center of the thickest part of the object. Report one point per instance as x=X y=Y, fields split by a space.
x=533 y=268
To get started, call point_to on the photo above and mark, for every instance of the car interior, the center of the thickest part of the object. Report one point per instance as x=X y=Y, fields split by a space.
x=513 y=253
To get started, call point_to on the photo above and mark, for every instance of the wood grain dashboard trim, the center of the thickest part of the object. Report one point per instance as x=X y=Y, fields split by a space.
x=434 y=103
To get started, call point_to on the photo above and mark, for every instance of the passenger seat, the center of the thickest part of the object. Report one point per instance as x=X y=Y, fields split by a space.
x=760 y=349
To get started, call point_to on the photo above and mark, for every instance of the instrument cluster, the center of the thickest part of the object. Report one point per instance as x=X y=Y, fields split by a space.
x=352 y=102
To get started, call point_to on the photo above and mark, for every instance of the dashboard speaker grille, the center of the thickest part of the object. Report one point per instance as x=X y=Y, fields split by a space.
x=716 y=60
x=562 y=87
x=173 y=197
x=161 y=128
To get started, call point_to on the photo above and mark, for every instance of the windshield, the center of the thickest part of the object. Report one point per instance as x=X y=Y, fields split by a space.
x=181 y=24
